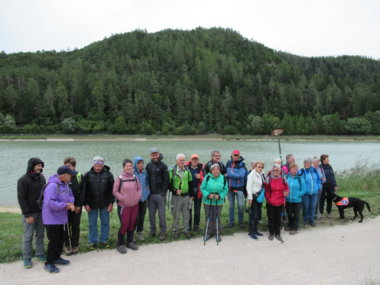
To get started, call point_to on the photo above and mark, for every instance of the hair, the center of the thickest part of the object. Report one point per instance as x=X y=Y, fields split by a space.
x=293 y=165
x=214 y=152
x=71 y=160
x=308 y=159
x=180 y=155
x=127 y=160
x=277 y=159
x=323 y=157
x=214 y=165
x=276 y=166
x=289 y=156
x=315 y=158
x=258 y=163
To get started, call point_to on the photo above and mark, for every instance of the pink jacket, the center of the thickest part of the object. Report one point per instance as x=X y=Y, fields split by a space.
x=130 y=190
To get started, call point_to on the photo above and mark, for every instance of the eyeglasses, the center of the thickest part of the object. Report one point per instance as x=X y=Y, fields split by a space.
x=259 y=166
x=276 y=170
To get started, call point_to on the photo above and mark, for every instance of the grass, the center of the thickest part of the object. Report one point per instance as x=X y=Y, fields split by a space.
x=360 y=182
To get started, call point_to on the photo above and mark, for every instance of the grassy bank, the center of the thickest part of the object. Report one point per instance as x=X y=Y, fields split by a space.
x=190 y=137
x=361 y=183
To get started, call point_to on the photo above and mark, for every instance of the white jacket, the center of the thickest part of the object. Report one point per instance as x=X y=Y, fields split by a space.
x=254 y=184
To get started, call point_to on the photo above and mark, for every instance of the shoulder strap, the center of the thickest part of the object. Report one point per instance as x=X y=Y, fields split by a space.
x=121 y=182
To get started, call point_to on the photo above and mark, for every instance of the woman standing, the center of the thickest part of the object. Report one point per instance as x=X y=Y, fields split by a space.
x=214 y=189
x=297 y=189
x=127 y=190
x=322 y=176
x=255 y=182
x=276 y=189
x=329 y=187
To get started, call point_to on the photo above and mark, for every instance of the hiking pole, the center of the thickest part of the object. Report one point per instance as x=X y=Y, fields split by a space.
x=68 y=234
x=207 y=224
x=277 y=133
x=174 y=216
x=216 y=220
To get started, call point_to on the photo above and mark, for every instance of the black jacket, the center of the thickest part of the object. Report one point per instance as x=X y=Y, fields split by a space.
x=329 y=173
x=98 y=188
x=158 y=177
x=208 y=165
x=29 y=188
x=78 y=189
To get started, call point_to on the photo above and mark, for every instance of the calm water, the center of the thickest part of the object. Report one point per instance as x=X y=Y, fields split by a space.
x=14 y=155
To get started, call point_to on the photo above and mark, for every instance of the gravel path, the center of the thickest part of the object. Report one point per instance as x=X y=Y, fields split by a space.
x=344 y=254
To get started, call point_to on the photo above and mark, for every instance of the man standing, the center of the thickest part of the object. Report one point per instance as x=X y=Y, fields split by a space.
x=237 y=176
x=98 y=201
x=29 y=188
x=196 y=169
x=158 y=185
x=181 y=185
x=215 y=158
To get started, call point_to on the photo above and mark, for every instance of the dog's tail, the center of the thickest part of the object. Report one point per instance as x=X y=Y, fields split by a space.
x=369 y=209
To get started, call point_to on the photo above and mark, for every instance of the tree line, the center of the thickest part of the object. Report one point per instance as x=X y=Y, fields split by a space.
x=187 y=82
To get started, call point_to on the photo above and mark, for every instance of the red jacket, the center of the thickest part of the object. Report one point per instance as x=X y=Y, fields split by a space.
x=198 y=193
x=274 y=190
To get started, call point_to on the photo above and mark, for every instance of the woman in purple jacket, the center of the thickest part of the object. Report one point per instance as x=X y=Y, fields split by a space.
x=58 y=198
x=127 y=191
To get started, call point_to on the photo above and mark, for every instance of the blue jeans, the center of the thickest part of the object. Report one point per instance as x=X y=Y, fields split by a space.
x=231 y=200
x=309 y=203
x=93 y=225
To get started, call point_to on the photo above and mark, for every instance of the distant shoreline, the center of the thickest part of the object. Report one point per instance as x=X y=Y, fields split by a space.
x=73 y=138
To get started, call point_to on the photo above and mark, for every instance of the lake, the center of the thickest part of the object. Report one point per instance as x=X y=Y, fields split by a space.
x=15 y=154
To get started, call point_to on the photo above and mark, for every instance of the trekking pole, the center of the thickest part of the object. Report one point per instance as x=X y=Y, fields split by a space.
x=69 y=234
x=207 y=224
x=174 y=216
x=216 y=220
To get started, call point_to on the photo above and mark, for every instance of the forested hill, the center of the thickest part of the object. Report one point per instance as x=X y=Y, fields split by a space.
x=185 y=82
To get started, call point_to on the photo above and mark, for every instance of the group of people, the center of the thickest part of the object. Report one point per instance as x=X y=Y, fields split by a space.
x=57 y=205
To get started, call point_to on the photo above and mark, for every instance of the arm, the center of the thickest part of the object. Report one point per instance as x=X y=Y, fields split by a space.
x=115 y=190
x=165 y=184
x=204 y=190
x=224 y=192
x=22 y=198
x=79 y=201
x=191 y=188
x=139 y=188
x=303 y=187
x=111 y=182
x=249 y=186
x=171 y=186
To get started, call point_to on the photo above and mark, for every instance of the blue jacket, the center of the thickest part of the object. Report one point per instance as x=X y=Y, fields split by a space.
x=297 y=188
x=312 y=180
x=143 y=178
x=236 y=174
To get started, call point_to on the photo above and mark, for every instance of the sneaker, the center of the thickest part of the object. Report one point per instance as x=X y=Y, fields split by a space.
x=132 y=245
x=51 y=268
x=40 y=258
x=188 y=235
x=292 y=232
x=162 y=236
x=61 y=261
x=230 y=225
x=140 y=236
x=105 y=244
x=121 y=249
x=258 y=234
x=68 y=251
x=312 y=223
x=252 y=236
x=28 y=263
x=278 y=237
x=93 y=246
x=75 y=249
x=270 y=237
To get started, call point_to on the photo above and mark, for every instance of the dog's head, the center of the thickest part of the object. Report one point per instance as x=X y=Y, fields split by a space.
x=336 y=198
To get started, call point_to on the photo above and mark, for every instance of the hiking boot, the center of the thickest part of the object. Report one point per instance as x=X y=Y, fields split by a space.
x=258 y=234
x=61 y=261
x=253 y=236
x=312 y=223
x=278 y=237
x=132 y=245
x=152 y=235
x=51 y=268
x=188 y=235
x=218 y=238
x=329 y=216
x=270 y=237
x=140 y=236
x=28 y=263
x=75 y=249
x=230 y=225
x=162 y=236
x=105 y=244
x=93 y=246
x=68 y=251
x=121 y=249
x=292 y=232
x=40 y=258
x=176 y=235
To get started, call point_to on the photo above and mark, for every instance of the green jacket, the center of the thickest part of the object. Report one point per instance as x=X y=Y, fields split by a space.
x=211 y=185
x=184 y=184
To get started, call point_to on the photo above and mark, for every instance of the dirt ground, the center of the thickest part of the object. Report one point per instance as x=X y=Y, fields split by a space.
x=344 y=254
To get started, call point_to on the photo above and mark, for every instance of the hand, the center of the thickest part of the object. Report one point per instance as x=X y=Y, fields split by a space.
x=286 y=193
x=335 y=189
x=29 y=220
x=70 y=206
x=87 y=208
x=110 y=208
x=178 y=192
x=211 y=196
x=250 y=202
x=217 y=197
x=197 y=176
x=78 y=210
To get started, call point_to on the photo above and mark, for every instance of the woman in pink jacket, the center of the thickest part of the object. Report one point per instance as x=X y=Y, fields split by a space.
x=127 y=190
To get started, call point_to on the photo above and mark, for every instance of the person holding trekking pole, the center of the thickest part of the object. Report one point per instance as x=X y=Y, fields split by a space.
x=214 y=189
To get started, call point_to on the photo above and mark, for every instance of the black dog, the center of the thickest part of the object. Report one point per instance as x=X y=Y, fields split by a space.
x=355 y=203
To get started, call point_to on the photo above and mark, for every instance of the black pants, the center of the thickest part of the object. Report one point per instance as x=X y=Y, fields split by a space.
x=197 y=213
x=274 y=219
x=293 y=211
x=56 y=236
x=141 y=216
x=254 y=216
x=74 y=227
x=326 y=194
x=260 y=205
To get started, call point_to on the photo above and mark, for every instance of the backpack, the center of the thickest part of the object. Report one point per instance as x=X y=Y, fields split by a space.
x=225 y=180
x=121 y=181
x=40 y=199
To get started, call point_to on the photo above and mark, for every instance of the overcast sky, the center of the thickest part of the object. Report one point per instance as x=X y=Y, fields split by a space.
x=302 y=27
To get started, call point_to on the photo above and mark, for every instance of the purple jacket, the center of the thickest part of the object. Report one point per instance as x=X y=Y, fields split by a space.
x=56 y=196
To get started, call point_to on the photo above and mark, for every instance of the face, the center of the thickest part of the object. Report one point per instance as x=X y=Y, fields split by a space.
x=181 y=162
x=275 y=171
x=316 y=163
x=128 y=167
x=38 y=168
x=307 y=164
x=215 y=171
x=154 y=156
x=70 y=166
x=291 y=159
x=216 y=157
x=65 y=178
x=293 y=171
x=259 y=168
x=326 y=160
x=236 y=157
x=98 y=167
x=140 y=165
x=194 y=161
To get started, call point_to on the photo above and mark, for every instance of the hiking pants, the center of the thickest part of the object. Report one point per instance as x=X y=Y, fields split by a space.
x=74 y=227
x=326 y=194
x=36 y=228
x=56 y=236
x=274 y=219
x=141 y=215
x=253 y=216
x=157 y=203
x=293 y=211
x=197 y=212
x=180 y=206
x=128 y=218
x=240 y=201
x=211 y=212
